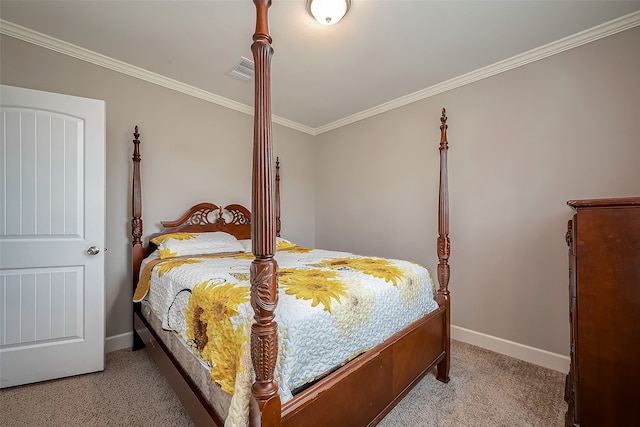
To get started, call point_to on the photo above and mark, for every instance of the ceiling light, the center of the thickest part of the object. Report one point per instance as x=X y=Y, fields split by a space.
x=328 y=12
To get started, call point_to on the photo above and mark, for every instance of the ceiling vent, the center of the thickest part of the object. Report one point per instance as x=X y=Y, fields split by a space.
x=244 y=70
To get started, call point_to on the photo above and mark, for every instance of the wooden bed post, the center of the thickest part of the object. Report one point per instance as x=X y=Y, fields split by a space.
x=278 y=222
x=443 y=297
x=265 y=402
x=136 y=203
x=137 y=251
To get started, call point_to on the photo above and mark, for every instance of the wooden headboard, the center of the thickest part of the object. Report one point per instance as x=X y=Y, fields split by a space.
x=206 y=217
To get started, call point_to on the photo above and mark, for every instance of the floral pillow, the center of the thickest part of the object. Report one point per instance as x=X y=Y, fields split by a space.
x=281 y=244
x=181 y=244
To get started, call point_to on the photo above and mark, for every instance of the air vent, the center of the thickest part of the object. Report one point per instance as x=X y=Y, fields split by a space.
x=244 y=70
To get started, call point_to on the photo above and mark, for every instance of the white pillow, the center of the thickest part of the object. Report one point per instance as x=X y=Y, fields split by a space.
x=246 y=244
x=280 y=244
x=181 y=244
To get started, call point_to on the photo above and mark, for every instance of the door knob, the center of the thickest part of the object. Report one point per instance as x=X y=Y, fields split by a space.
x=93 y=251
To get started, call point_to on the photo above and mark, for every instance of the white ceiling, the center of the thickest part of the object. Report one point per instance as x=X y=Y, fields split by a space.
x=382 y=51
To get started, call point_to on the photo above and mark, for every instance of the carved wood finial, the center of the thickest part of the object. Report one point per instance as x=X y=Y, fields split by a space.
x=136 y=146
x=443 y=130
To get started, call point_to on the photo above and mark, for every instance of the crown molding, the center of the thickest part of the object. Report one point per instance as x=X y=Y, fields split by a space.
x=604 y=30
x=56 y=45
x=601 y=31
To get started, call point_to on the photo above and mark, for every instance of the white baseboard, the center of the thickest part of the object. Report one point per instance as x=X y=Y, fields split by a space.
x=118 y=342
x=533 y=355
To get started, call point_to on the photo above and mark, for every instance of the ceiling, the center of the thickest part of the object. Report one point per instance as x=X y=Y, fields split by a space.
x=383 y=52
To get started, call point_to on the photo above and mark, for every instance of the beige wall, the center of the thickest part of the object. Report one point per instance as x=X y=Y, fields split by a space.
x=522 y=143
x=192 y=151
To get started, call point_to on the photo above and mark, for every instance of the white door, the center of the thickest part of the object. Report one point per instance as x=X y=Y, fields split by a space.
x=52 y=204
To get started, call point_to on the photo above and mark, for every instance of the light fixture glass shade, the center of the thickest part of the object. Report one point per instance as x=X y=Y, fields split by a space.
x=328 y=12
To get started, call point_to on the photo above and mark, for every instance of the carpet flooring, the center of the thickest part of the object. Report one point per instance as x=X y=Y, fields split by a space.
x=487 y=389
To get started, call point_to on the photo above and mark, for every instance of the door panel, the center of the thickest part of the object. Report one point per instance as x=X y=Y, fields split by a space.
x=51 y=211
x=42 y=304
x=44 y=171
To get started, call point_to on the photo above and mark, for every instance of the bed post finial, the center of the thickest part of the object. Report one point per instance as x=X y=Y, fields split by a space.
x=443 y=296
x=136 y=208
x=265 y=407
x=443 y=130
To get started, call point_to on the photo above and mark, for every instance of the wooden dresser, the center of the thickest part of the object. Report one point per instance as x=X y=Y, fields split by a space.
x=603 y=384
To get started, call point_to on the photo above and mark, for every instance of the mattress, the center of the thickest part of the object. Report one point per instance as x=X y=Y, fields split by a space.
x=332 y=307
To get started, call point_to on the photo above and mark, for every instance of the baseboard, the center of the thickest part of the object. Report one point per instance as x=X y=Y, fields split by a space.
x=118 y=342
x=533 y=355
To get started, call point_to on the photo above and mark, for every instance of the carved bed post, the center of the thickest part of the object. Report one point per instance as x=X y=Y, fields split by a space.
x=265 y=402
x=443 y=297
x=136 y=227
x=136 y=203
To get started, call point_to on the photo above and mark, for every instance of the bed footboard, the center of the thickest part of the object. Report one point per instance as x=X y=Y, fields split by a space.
x=365 y=390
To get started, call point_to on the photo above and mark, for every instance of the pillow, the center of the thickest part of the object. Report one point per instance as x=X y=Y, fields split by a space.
x=246 y=244
x=280 y=244
x=180 y=244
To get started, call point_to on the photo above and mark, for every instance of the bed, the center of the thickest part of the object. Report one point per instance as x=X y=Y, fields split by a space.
x=355 y=387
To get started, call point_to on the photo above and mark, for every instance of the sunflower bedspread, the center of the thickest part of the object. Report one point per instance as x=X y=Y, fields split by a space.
x=332 y=307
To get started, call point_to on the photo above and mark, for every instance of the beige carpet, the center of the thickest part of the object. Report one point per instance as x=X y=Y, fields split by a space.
x=486 y=389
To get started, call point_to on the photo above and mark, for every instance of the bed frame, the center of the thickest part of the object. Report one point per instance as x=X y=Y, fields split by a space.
x=358 y=394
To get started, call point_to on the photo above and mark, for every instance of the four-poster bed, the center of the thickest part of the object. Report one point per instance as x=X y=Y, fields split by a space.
x=359 y=393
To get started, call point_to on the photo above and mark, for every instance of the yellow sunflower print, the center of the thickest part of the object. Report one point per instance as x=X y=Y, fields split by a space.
x=175 y=236
x=284 y=245
x=244 y=255
x=224 y=352
x=166 y=253
x=297 y=249
x=166 y=266
x=219 y=302
x=316 y=285
x=376 y=267
x=210 y=309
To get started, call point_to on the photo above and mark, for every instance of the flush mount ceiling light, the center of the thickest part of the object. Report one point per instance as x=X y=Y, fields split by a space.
x=328 y=12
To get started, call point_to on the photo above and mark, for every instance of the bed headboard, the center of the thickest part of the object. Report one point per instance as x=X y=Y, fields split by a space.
x=204 y=217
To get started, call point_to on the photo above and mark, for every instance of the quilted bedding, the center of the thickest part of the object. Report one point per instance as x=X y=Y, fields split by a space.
x=332 y=307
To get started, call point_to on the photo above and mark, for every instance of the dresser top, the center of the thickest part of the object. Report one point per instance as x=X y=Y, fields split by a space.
x=592 y=203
